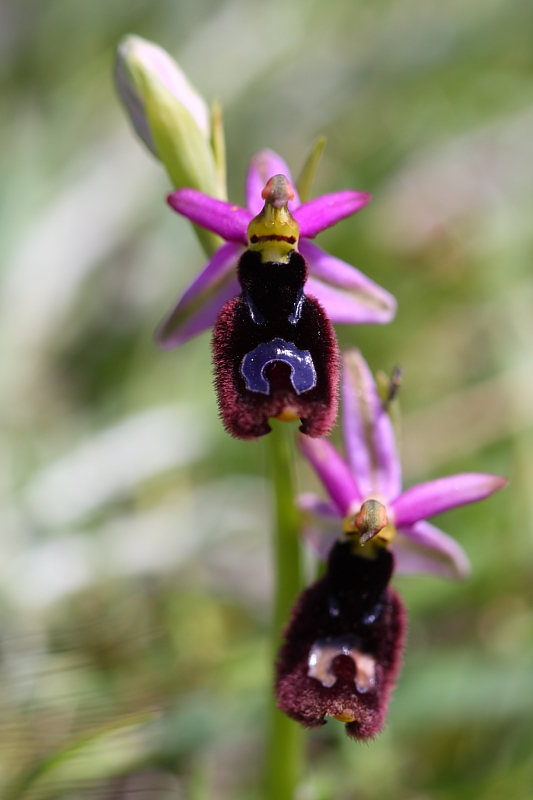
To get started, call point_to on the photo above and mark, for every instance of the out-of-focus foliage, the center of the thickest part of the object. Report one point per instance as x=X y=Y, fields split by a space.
x=134 y=534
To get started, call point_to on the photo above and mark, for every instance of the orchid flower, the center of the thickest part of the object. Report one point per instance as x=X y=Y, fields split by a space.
x=343 y=645
x=372 y=471
x=346 y=294
x=275 y=352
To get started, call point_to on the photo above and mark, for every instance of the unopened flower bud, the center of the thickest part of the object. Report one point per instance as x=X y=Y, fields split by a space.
x=168 y=114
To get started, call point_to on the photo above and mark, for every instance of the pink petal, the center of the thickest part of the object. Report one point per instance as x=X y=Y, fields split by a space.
x=332 y=471
x=312 y=504
x=347 y=295
x=424 y=548
x=263 y=166
x=344 y=307
x=319 y=538
x=369 y=439
x=228 y=220
x=219 y=266
x=328 y=209
x=434 y=497
x=175 y=331
x=198 y=307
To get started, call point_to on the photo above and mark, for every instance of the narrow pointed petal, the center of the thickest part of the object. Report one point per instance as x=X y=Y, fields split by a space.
x=328 y=209
x=434 y=497
x=200 y=304
x=228 y=220
x=313 y=504
x=369 y=439
x=176 y=330
x=219 y=266
x=424 y=548
x=347 y=295
x=345 y=308
x=421 y=561
x=319 y=538
x=332 y=471
x=264 y=166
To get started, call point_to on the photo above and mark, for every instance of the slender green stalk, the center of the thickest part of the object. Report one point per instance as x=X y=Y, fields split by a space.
x=285 y=745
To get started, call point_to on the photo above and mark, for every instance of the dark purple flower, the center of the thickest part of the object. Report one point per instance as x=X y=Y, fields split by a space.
x=342 y=648
x=346 y=295
x=274 y=349
x=343 y=645
x=372 y=470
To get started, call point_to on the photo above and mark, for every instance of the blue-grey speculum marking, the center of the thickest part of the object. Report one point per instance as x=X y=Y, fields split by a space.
x=303 y=374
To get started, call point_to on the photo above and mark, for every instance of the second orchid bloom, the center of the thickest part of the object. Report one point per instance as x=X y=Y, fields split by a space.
x=342 y=647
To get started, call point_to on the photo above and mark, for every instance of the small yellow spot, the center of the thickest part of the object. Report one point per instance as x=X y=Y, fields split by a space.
x=235 y=208
x=346 y=716
x=289 y=414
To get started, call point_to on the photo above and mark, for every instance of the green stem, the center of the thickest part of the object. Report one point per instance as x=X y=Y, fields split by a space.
x=285 y=745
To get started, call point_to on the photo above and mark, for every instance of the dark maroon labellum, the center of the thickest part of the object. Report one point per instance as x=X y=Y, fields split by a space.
x=275 y=352
x=343 y=645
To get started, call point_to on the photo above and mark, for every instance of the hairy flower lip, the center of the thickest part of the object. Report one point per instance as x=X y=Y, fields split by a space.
x=342 y=648
x=346 y=294
x=274 y=351
x=372 y=470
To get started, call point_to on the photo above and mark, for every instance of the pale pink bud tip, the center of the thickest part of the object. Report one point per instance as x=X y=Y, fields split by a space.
x=278 y=191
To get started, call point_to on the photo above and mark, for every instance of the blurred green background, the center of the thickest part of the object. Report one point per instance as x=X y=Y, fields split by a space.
x=135 y=577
